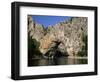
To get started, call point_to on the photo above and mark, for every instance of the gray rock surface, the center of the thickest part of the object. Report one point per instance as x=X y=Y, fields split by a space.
x=69 y=33
x=36 y=31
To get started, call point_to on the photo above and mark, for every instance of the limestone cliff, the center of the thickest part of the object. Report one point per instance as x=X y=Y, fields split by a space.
x=66 y=37
x=36 y=31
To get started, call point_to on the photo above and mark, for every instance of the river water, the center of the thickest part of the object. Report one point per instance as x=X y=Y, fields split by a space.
x=57 y=61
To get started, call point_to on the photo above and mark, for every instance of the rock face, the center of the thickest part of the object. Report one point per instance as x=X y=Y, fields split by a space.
x=66 y=37
x=36 y=31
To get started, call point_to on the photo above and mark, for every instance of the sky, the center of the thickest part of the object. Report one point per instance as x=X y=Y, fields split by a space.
x=49 y=20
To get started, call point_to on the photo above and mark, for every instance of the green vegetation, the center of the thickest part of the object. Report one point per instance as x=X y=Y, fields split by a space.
x=33 y=47
x=33 y=44
x=84 y=51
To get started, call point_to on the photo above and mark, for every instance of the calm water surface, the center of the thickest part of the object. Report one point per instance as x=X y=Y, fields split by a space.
x=57 y=61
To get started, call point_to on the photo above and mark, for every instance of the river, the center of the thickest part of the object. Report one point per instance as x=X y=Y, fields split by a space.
x=58 y=61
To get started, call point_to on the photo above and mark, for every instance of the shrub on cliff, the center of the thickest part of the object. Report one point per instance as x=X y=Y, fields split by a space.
x=84 y=51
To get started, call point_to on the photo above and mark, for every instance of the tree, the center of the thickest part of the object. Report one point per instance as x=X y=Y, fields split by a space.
x=84 y=51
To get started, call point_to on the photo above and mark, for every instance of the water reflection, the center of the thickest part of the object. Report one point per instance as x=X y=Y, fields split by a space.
x=57 y=61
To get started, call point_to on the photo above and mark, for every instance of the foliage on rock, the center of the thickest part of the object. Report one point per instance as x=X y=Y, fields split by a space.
x=71 y=36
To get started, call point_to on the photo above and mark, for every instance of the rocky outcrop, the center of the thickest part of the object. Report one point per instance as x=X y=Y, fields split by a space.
x=66 y=37
x=36 y=31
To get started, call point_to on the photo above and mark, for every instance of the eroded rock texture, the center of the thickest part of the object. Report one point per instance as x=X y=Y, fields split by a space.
x=65 y=37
